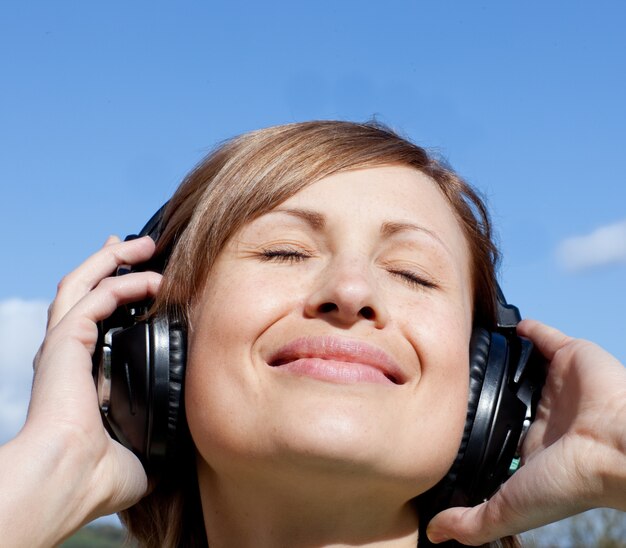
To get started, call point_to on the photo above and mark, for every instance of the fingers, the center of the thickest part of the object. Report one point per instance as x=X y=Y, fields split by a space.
x=89 y=274
x=548 y=340
x=88 y=295
x=111 y=293
x=63 y=390
x=79 y=323
x=111 y=240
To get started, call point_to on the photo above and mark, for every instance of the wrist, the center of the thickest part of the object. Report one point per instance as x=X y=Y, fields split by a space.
x=613 y=470
x=44 y=482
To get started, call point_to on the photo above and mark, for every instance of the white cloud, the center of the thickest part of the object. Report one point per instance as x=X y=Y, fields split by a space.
x=22 y=326
x=604 y=246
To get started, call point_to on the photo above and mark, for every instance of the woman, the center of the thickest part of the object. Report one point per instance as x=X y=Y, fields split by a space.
x=329 y=275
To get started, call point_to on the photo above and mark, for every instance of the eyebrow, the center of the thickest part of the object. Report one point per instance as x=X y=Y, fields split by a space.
x=390 y=228
x=317 y=221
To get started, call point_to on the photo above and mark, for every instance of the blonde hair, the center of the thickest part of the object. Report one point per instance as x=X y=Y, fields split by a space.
x=243 y=179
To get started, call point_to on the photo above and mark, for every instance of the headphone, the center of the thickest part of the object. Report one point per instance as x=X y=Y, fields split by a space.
x=139 y=371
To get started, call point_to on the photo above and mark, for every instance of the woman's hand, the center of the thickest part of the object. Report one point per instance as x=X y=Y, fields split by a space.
x=574 y=455
x=63 y=469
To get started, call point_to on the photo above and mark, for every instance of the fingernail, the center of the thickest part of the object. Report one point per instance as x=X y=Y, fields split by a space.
x=111 y=240
x=436 y=536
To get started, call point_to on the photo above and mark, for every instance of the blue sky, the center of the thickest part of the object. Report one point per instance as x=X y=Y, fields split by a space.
x=105 y=106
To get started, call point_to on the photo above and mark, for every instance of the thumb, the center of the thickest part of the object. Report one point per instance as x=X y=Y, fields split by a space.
x=471 y=526
x=511 y=510
x=507 y=512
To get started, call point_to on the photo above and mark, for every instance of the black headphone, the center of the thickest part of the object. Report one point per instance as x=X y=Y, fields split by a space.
x=139 y=370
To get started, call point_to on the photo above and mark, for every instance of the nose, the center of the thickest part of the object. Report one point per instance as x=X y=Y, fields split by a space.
x=345 y=294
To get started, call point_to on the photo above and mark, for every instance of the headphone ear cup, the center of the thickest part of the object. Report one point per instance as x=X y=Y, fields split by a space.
x=167 y=357
x=176 y=423
x=140 y=374
x=494 y=421
x=480 y=345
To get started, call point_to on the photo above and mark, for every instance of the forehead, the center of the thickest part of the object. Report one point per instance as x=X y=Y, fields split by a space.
x=387 y=195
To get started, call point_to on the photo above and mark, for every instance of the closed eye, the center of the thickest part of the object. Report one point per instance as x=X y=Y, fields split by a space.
x=414 y=280
x=285 y=255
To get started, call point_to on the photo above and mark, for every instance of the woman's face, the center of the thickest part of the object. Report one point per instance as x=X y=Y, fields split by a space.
x=333 y=334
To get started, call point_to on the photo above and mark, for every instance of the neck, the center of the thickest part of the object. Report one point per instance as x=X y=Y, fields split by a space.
x=245 y=508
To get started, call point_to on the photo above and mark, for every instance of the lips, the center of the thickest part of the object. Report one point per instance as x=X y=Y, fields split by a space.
x=337 y=359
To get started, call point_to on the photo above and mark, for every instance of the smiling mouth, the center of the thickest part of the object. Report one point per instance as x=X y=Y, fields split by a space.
x=334 y=370
x=344 y=361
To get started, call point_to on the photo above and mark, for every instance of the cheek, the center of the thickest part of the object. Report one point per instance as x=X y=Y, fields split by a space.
x=438 y=418
x=225 y=390
x=236 y=309
x=445 y=372
x=441 y=395
x=439 y=332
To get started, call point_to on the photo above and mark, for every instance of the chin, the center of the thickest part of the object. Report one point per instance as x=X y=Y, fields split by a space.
x=330 y=433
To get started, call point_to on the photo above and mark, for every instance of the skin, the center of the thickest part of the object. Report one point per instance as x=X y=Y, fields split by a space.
x=372 y=256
